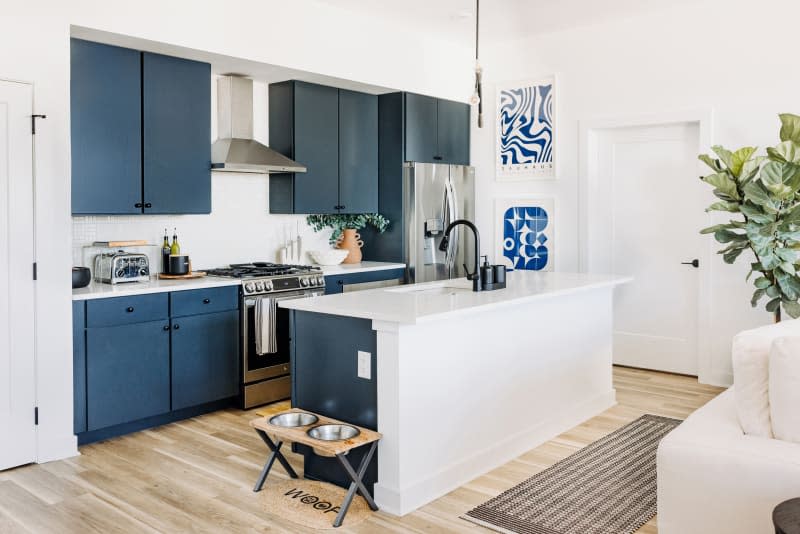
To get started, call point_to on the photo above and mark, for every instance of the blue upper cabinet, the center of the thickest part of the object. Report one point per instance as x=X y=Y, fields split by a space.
x=436 y=130
x=141 y=132
x=176 y=96
x=358 y=152
x=334 y=134
x=421 y=128
x=452 y=132
x=106 y=115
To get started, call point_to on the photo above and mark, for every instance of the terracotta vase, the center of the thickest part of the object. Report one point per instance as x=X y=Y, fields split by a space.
x=351 y=241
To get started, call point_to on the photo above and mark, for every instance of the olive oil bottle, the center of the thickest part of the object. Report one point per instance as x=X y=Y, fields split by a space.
x=165 y=252
x=175 y=249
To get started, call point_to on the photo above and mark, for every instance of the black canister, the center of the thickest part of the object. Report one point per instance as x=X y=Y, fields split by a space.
x=179 y=264
x=499 y=272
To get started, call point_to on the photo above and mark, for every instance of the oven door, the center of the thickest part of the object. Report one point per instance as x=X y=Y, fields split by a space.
x=262 y=366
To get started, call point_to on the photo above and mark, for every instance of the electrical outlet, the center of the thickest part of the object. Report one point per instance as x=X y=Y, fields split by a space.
x=364 y=365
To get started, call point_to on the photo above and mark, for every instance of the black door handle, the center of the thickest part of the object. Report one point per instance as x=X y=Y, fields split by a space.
x=694 y=263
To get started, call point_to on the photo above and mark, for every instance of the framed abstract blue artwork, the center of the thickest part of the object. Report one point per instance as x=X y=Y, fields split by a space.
x=525 y=233
x=526 y=130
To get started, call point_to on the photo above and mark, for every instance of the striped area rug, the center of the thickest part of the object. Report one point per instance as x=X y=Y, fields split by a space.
x=608 y=487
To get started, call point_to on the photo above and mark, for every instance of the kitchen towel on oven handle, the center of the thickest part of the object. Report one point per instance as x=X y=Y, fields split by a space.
x=265 y=317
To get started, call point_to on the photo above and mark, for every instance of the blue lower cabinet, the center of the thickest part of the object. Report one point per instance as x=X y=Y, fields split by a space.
x=79 y=366
x=205 y=358
x=336 y=283
x=127 y=373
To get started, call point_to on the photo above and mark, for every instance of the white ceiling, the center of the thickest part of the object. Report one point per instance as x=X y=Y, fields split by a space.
x=500 y=20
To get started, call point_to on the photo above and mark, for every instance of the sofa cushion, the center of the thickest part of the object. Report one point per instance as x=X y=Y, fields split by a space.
x=751 y=374
x=784 y=388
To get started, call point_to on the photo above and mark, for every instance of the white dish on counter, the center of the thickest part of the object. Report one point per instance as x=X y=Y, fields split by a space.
x=333 y=256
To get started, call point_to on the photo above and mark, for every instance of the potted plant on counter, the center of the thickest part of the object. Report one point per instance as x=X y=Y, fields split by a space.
x=345 y=230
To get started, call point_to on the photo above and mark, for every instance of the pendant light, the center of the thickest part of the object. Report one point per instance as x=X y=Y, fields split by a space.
x=476 y=99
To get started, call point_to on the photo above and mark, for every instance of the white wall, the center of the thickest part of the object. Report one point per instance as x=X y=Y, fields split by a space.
x=34 y=37
x=732 y=56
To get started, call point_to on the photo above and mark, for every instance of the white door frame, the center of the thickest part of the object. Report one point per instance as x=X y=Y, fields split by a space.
x=588 y=183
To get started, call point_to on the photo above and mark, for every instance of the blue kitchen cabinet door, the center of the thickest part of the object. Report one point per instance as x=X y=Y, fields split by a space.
x=205 y=358
x=127 y=373
x=176 y=97
x=358 y=152
x=421 y=134
x=79 y=366
x=106 y=129
x=453 y=132
x=316 y=145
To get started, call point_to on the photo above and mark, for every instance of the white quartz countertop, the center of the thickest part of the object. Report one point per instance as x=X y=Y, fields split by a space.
x=434 y=300
x=364 y=266
x=97 y=290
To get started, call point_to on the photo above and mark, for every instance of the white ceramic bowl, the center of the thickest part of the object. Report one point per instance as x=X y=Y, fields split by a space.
x=333 y=256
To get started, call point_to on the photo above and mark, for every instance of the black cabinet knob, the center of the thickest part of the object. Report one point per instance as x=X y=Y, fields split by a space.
x=206 y=301
x=166 y=328
x=340 y=282
x=148 y=205
x=438 y=158
x=177 y=327
x=129 y=309
x=137 y=205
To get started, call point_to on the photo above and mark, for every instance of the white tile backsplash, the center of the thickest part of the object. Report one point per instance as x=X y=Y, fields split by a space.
x=239 y=228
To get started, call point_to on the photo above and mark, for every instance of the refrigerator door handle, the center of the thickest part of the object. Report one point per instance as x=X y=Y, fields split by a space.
x=452 y=215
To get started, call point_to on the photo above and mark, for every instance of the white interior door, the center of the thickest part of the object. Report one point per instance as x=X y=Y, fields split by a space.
x=646 y=210
x=17 y=379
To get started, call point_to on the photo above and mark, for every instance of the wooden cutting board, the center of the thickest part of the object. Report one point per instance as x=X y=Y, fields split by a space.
x=195 y=274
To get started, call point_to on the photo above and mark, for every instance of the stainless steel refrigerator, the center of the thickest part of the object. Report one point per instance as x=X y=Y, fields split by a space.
x=433 y=195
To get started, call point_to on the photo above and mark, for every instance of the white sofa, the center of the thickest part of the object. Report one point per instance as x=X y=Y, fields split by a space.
x=712 y=478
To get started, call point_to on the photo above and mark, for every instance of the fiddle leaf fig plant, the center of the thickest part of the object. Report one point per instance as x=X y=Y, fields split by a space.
x=340 y=222
x=762 y=194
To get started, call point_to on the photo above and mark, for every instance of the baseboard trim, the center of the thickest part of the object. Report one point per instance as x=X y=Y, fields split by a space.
x=400 y=502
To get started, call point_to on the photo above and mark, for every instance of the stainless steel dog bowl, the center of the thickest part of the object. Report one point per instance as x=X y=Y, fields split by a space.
x=333 y=432
x=292 y=419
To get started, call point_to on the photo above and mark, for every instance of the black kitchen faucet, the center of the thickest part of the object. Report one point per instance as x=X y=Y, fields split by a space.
x=475 y=275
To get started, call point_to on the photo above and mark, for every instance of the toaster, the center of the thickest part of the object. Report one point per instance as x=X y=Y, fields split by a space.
x=121 y=266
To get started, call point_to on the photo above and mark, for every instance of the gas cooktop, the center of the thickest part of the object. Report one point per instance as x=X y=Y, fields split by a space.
x=259 y=269
x=259 y=278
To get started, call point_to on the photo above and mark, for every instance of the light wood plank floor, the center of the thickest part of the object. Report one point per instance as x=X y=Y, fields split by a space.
x=197 y=475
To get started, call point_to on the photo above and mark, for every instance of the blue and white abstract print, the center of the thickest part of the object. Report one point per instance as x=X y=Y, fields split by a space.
x=526 y=130
x=526 y=233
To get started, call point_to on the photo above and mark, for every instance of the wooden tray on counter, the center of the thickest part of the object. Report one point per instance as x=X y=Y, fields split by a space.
x=188 y=276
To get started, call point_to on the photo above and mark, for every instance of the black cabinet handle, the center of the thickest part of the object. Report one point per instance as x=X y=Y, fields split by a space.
x=693 y=263
x=137 y=205
x=148 y=205
x=129 y=309
x=438 y=158
x=338 y=207
x=166 y=328
x=177 y=327
x=206 y=301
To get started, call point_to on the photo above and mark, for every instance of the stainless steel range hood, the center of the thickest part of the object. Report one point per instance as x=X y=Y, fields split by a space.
x=235 y=150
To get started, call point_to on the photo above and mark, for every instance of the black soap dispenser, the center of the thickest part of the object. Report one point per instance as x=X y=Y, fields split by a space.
x=487 y=274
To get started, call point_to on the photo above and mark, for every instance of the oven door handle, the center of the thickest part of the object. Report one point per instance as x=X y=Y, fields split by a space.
x=252 y=301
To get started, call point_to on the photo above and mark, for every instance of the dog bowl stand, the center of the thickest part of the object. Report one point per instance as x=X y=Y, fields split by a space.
x=337 y=449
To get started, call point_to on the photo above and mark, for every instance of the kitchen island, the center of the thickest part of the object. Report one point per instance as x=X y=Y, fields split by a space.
x=457 y=382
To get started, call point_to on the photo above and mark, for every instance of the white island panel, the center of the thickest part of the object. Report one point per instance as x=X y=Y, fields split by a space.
x=460 y=397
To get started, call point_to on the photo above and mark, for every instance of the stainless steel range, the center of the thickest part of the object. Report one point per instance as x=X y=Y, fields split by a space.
x=265 y=376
